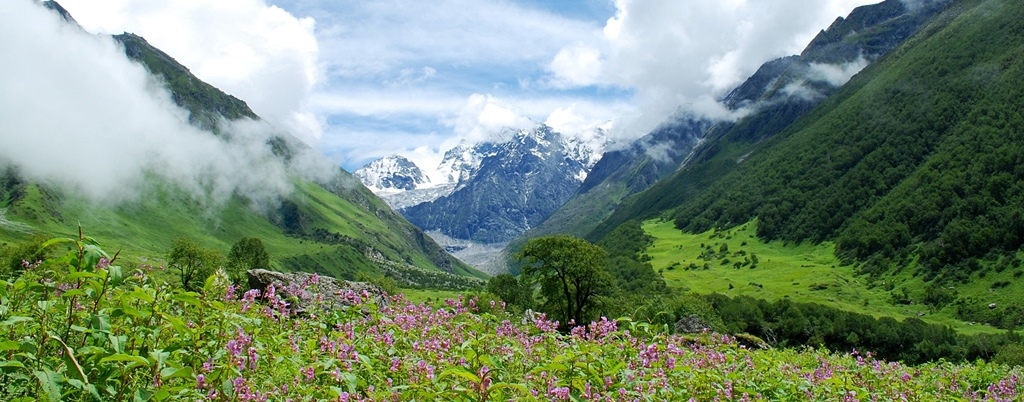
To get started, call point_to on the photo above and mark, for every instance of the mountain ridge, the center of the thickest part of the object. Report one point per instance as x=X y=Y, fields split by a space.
x=776 y=96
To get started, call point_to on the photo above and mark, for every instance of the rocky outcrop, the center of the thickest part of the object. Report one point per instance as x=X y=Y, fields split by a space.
x=303 y=292
x=691 y=324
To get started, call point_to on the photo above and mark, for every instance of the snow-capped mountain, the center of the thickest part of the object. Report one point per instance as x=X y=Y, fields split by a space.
x=403 y=184
x=484 y=194
x=505 y=188
x=392 y=174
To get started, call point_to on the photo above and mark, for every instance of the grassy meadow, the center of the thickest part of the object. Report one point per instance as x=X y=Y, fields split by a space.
x=802 y=272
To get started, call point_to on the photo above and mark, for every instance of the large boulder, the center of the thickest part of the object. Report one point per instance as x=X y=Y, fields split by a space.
x=691 y=324
x=302 y=291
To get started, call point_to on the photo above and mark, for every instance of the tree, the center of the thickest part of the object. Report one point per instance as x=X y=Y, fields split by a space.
x=193 y=262
x=511 y=291
x=247 y=253
x=570 y=272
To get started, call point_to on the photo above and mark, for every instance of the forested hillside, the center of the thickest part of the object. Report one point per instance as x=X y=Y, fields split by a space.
x=939 y=106
x=778 y=93
x=920 y=154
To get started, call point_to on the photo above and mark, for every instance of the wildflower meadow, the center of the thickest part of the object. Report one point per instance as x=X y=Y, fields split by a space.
x=81 y=328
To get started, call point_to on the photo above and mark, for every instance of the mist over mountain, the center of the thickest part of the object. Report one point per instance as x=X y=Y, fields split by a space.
x=767 y=102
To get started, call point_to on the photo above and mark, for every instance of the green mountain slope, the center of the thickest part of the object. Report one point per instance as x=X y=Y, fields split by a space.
x=913 y=167
x=331 y=225
x=778 y=93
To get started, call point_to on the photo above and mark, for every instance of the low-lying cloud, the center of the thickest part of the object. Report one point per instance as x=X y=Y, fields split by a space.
x=837 y=74
x=248 y=48
x=834 y=75
x=689 y=53
x=78 y=114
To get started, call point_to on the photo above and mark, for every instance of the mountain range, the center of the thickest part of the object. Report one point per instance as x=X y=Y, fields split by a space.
x=777 y=94
x=492 y=191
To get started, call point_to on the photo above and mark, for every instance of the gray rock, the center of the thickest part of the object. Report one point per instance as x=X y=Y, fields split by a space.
x=691 y=324
x=304 y=292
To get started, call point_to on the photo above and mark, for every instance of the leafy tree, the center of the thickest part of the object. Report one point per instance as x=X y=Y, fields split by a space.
x=193 y=262
x=511 y=290
x=247 y=253
x=571 y=273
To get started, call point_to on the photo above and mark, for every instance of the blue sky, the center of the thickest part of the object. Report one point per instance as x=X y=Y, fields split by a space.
x=364 y=79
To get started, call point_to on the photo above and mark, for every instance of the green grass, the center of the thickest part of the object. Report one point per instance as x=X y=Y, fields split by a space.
x=144 y=228
x=801 y=272
x=433 y=297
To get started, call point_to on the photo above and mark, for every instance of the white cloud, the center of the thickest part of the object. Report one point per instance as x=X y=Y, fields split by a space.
x=834 y=75
x=837 y=75
x=255 y=51
x=576 y=66
x=76 y=113
x=574 y=122
x=378 y=38
x=676 y=53
x=484 y=117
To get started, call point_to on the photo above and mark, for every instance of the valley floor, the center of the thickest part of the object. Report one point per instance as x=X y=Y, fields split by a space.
x=735 y=262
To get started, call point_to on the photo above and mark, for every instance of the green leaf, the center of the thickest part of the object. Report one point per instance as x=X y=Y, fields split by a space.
x=461 y=372
x=123 y=357
x=178 y=324
x=100 y=322
x=91 y=350
x=176 y=372
x=115 y=275
x=161 y=395
x=143 y=395
x=139 y=295
x=9 y=345
x=117 y=342
x=351 y=380
x=208 y=286
x=56 y=241
x=14 y=320
x=67 y=294
x=190 y=298
x=50 y=382
x=503 y=385
x=10 y=365
x=366 y=362
x=159 y=357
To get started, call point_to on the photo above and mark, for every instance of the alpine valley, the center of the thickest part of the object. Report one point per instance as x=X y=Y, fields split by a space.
x=847 y=225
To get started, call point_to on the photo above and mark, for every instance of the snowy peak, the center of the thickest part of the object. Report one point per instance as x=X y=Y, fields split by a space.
x=459 y=163
x=391 y=174
x=508 y=152
x=586 y=148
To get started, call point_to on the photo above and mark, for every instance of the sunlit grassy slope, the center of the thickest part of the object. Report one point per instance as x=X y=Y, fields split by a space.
x=801 y=272
x=144 y=228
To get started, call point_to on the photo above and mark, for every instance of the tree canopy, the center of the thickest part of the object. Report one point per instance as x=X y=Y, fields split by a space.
x=247 y=253
x=193 y=262
x=571 y=273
